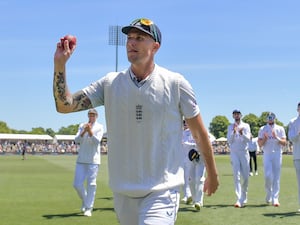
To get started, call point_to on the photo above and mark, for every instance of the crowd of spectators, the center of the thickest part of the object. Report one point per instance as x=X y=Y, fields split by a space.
x=42 y=147
x=223 y=148
x=16 y=147
x=69 y=147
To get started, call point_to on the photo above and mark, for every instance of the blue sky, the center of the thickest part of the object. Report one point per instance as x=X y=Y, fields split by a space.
x=236 y=53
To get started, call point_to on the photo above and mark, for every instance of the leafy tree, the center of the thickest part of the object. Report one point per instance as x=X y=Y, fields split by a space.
x=13 y=131
x=218 y=126
x=4 y=128
x=38 y=130
x=50 y=132
x=70 y=130
x=253 y=121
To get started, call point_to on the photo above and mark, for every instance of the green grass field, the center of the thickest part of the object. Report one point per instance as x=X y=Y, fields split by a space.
x=38 y=191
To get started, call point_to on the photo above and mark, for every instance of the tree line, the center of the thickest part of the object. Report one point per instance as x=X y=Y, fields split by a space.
x=70 y=130
x=217 y=127
x=219 y=124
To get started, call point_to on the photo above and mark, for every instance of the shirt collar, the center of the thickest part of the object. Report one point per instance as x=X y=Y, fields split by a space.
x=135 y=80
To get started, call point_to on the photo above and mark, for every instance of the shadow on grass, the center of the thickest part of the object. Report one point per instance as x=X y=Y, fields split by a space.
x=54 y=216
x=257 y=205
x=190 y=208
x=106 y=198
x=76 y=214
x=227 y=175
x=281 y=215
x=247 y=205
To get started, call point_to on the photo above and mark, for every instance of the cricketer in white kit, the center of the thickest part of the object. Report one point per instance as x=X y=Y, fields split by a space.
x=238 y=136
x=271 y=138
x=294 y=137
x=89 y=136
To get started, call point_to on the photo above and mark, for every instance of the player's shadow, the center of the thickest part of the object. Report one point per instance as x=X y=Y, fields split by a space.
x=281 y=215
x=186 y=209
x=190 y=208
x=54 y=216
x=107 y=198
x=75 y=214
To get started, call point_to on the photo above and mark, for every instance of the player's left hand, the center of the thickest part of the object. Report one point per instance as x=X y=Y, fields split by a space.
x=211 y=184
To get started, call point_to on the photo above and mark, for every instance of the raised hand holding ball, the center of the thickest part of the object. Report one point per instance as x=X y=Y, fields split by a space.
x=71 y=41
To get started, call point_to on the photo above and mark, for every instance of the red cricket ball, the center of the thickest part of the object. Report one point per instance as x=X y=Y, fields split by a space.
x=72 y=40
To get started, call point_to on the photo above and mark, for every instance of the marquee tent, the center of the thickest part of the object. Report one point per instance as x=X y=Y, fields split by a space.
x=26 y=137
x=221 y=139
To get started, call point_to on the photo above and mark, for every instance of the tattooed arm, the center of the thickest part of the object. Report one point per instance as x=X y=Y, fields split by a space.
x=65 y=101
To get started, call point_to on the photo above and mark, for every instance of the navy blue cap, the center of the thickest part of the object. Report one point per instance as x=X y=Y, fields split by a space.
x=93 y=111
x=236 y=111
x=271 y=116
x=145 y=25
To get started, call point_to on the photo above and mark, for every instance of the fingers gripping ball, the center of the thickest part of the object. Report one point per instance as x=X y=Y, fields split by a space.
x=72 y=40
x=194 y=155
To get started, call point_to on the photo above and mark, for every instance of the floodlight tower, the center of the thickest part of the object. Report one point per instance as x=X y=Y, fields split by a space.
x=116 y=37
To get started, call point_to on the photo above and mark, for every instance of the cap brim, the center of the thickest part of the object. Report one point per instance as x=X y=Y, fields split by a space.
x=126 y=29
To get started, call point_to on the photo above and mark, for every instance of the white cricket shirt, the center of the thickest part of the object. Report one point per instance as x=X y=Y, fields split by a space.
x=293 y=134
x=144 y=128
x=236 y=141
x=271 y=145
x=89 y=146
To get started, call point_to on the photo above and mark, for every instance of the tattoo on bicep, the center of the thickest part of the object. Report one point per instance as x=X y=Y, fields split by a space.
x=79 y=100
x=82 y=101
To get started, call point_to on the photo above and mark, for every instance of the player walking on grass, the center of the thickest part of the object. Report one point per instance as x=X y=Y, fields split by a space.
x=24 y=147
x=186 y=145
x=294 y=137
x=271 y=138
x=88 y=137
x=196 y=171
x=253 y=149
x=144 y=108
x=238 y=136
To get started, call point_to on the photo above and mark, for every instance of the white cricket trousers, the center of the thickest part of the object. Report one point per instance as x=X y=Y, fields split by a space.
x=240 y=167
x=272 y=170
x=186 y=187
x=197 y=174
x=88 y=173
x=155 y=208
x=297 y=167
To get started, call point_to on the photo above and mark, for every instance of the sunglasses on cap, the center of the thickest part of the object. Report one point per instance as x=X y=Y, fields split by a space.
x=147 y=25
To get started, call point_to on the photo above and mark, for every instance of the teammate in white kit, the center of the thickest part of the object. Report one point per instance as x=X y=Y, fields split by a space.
x=294 y=136
x=238 y=136
x=253 y=149
x=89 y=136
x=194 y=170
x=187 y=145
x=271 y=138
x=144 y=107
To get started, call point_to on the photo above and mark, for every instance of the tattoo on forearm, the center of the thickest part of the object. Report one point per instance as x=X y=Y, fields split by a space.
x=79 y=100
x=60 y=87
